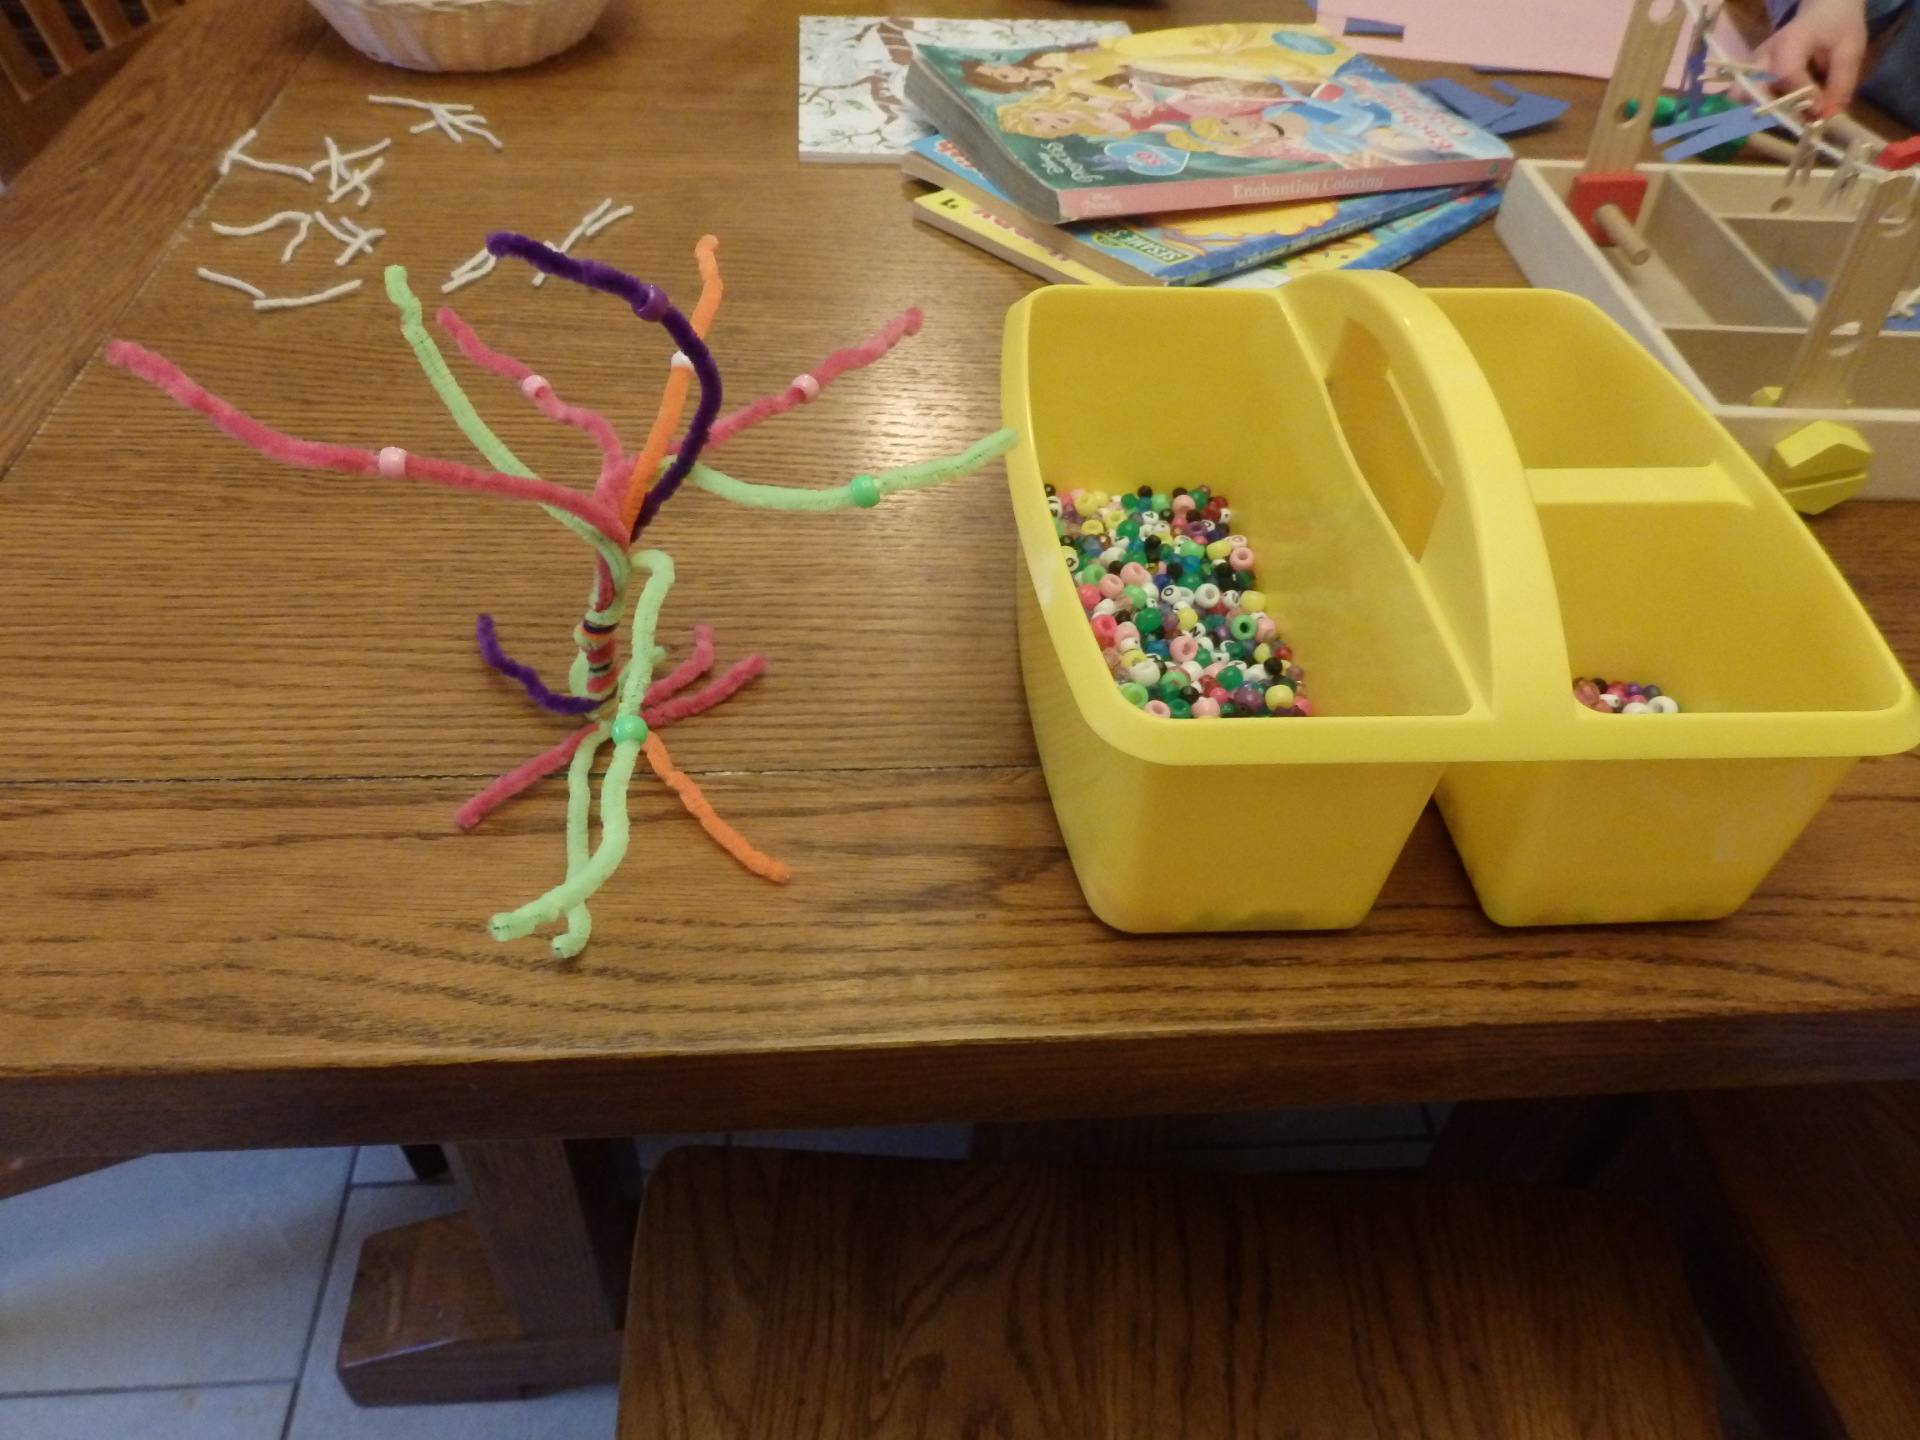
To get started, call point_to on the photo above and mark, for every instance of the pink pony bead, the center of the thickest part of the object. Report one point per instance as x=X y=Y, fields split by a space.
x=1134 y=573
x=1105 y=630
x=1183 y=648
x=1241 y=559
x=1181 y=505
x=1206 y=709
x=393 y=463
x=1126 y=636
x=1089 y=596
x=1158 y=707
x=1111 y=586
x=1303 y=704
x=1264 y=630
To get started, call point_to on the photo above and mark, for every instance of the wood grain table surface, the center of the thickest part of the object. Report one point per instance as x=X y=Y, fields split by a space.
x=241 y=702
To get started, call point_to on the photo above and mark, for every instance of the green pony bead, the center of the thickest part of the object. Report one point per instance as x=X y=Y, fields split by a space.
x=866 y=491
x=629 y=728
x=1134 y=693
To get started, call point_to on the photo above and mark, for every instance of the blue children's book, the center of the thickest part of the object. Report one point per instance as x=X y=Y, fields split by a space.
x=1210 y=115
x=1387 y=247
x=1189 y=247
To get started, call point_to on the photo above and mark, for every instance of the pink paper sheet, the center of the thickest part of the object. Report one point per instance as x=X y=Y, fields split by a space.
x=1573 y=37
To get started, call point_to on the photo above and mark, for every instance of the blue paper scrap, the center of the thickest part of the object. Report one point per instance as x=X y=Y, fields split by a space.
x=1704 y=132
x=1815 y=289
x=1521 y=110
x=1529 y=111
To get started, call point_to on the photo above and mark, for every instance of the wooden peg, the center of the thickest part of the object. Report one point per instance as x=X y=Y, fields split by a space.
x=1851 y=132
x=1873 y=269
x=1621 y=231
x=1770 y=147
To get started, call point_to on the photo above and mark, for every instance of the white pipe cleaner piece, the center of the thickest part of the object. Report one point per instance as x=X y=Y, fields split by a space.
x=236 y=154
x=598 y=219
x=297 y=218
x=341 y=176
x=474 y=267
x=357 y=240
x=454 y=121
x=294 y=302
x=232 y=284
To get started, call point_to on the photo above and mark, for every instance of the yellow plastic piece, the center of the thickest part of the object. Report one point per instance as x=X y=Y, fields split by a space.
x=1460 y=501
x=1819 y=465
x=1818 y=496
x=1767 y=396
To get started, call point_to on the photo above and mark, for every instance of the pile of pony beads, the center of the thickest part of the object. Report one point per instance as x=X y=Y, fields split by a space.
x=1172 y=598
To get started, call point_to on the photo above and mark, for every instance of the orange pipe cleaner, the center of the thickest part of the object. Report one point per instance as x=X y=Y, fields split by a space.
x=730 y=839
x=674 y=398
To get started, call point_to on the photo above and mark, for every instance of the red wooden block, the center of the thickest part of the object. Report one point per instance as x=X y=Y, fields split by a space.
x=1901 y=155
x=1626 y=189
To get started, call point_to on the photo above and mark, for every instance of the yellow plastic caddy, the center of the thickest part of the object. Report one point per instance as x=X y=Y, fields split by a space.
x=1460 y=500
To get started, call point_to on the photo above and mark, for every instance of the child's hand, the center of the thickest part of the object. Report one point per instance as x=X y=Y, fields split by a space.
x=1824 y=44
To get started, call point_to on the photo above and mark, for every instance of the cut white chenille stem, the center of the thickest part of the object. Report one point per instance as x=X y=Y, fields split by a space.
x=336 y=161
x=294 y=302
x=597 y=219
x=475 y=267
x=605 y=220
x=357 y=240
x=355 y=180
x=232 y=284
x=449 y=118
x=236 y=153
x=297 y=218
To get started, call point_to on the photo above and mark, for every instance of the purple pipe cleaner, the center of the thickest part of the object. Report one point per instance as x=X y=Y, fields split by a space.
x=528 y=677
x=649 y=302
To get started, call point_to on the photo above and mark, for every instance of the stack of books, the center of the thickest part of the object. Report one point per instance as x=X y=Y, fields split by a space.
x=1235 y=155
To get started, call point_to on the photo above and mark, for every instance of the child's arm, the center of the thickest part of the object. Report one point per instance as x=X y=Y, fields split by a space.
x=1823 y=44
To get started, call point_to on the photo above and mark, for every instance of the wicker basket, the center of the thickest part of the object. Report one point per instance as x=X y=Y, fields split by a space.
x=461 y=34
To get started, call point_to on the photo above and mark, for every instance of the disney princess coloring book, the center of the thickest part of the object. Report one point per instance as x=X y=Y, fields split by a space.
x=1210 y=115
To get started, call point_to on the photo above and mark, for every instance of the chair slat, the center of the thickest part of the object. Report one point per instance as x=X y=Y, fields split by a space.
x=69 y=52
x=109 y=19
x=18 y=66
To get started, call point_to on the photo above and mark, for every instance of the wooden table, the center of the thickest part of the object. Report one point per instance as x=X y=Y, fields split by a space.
x=242 y=703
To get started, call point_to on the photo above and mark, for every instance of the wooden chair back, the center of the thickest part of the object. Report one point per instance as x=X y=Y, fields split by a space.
x=54 y=54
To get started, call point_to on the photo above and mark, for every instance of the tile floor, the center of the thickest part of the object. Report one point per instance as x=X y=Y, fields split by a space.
x=200 y=1297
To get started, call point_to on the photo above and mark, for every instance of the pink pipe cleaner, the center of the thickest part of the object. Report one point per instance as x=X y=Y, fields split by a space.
x=519 y=778
x=613 y=461
x=854 y=357
x=317 y=455
x=687 y=671
x=687 y=705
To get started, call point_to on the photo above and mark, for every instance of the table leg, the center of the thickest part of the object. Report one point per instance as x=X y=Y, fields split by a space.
x=523 y=1291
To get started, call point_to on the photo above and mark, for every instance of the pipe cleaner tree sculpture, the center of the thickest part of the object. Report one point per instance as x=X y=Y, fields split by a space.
x=619 y=700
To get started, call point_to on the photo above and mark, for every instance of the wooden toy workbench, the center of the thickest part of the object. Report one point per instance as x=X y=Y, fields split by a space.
x=1707 y=266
